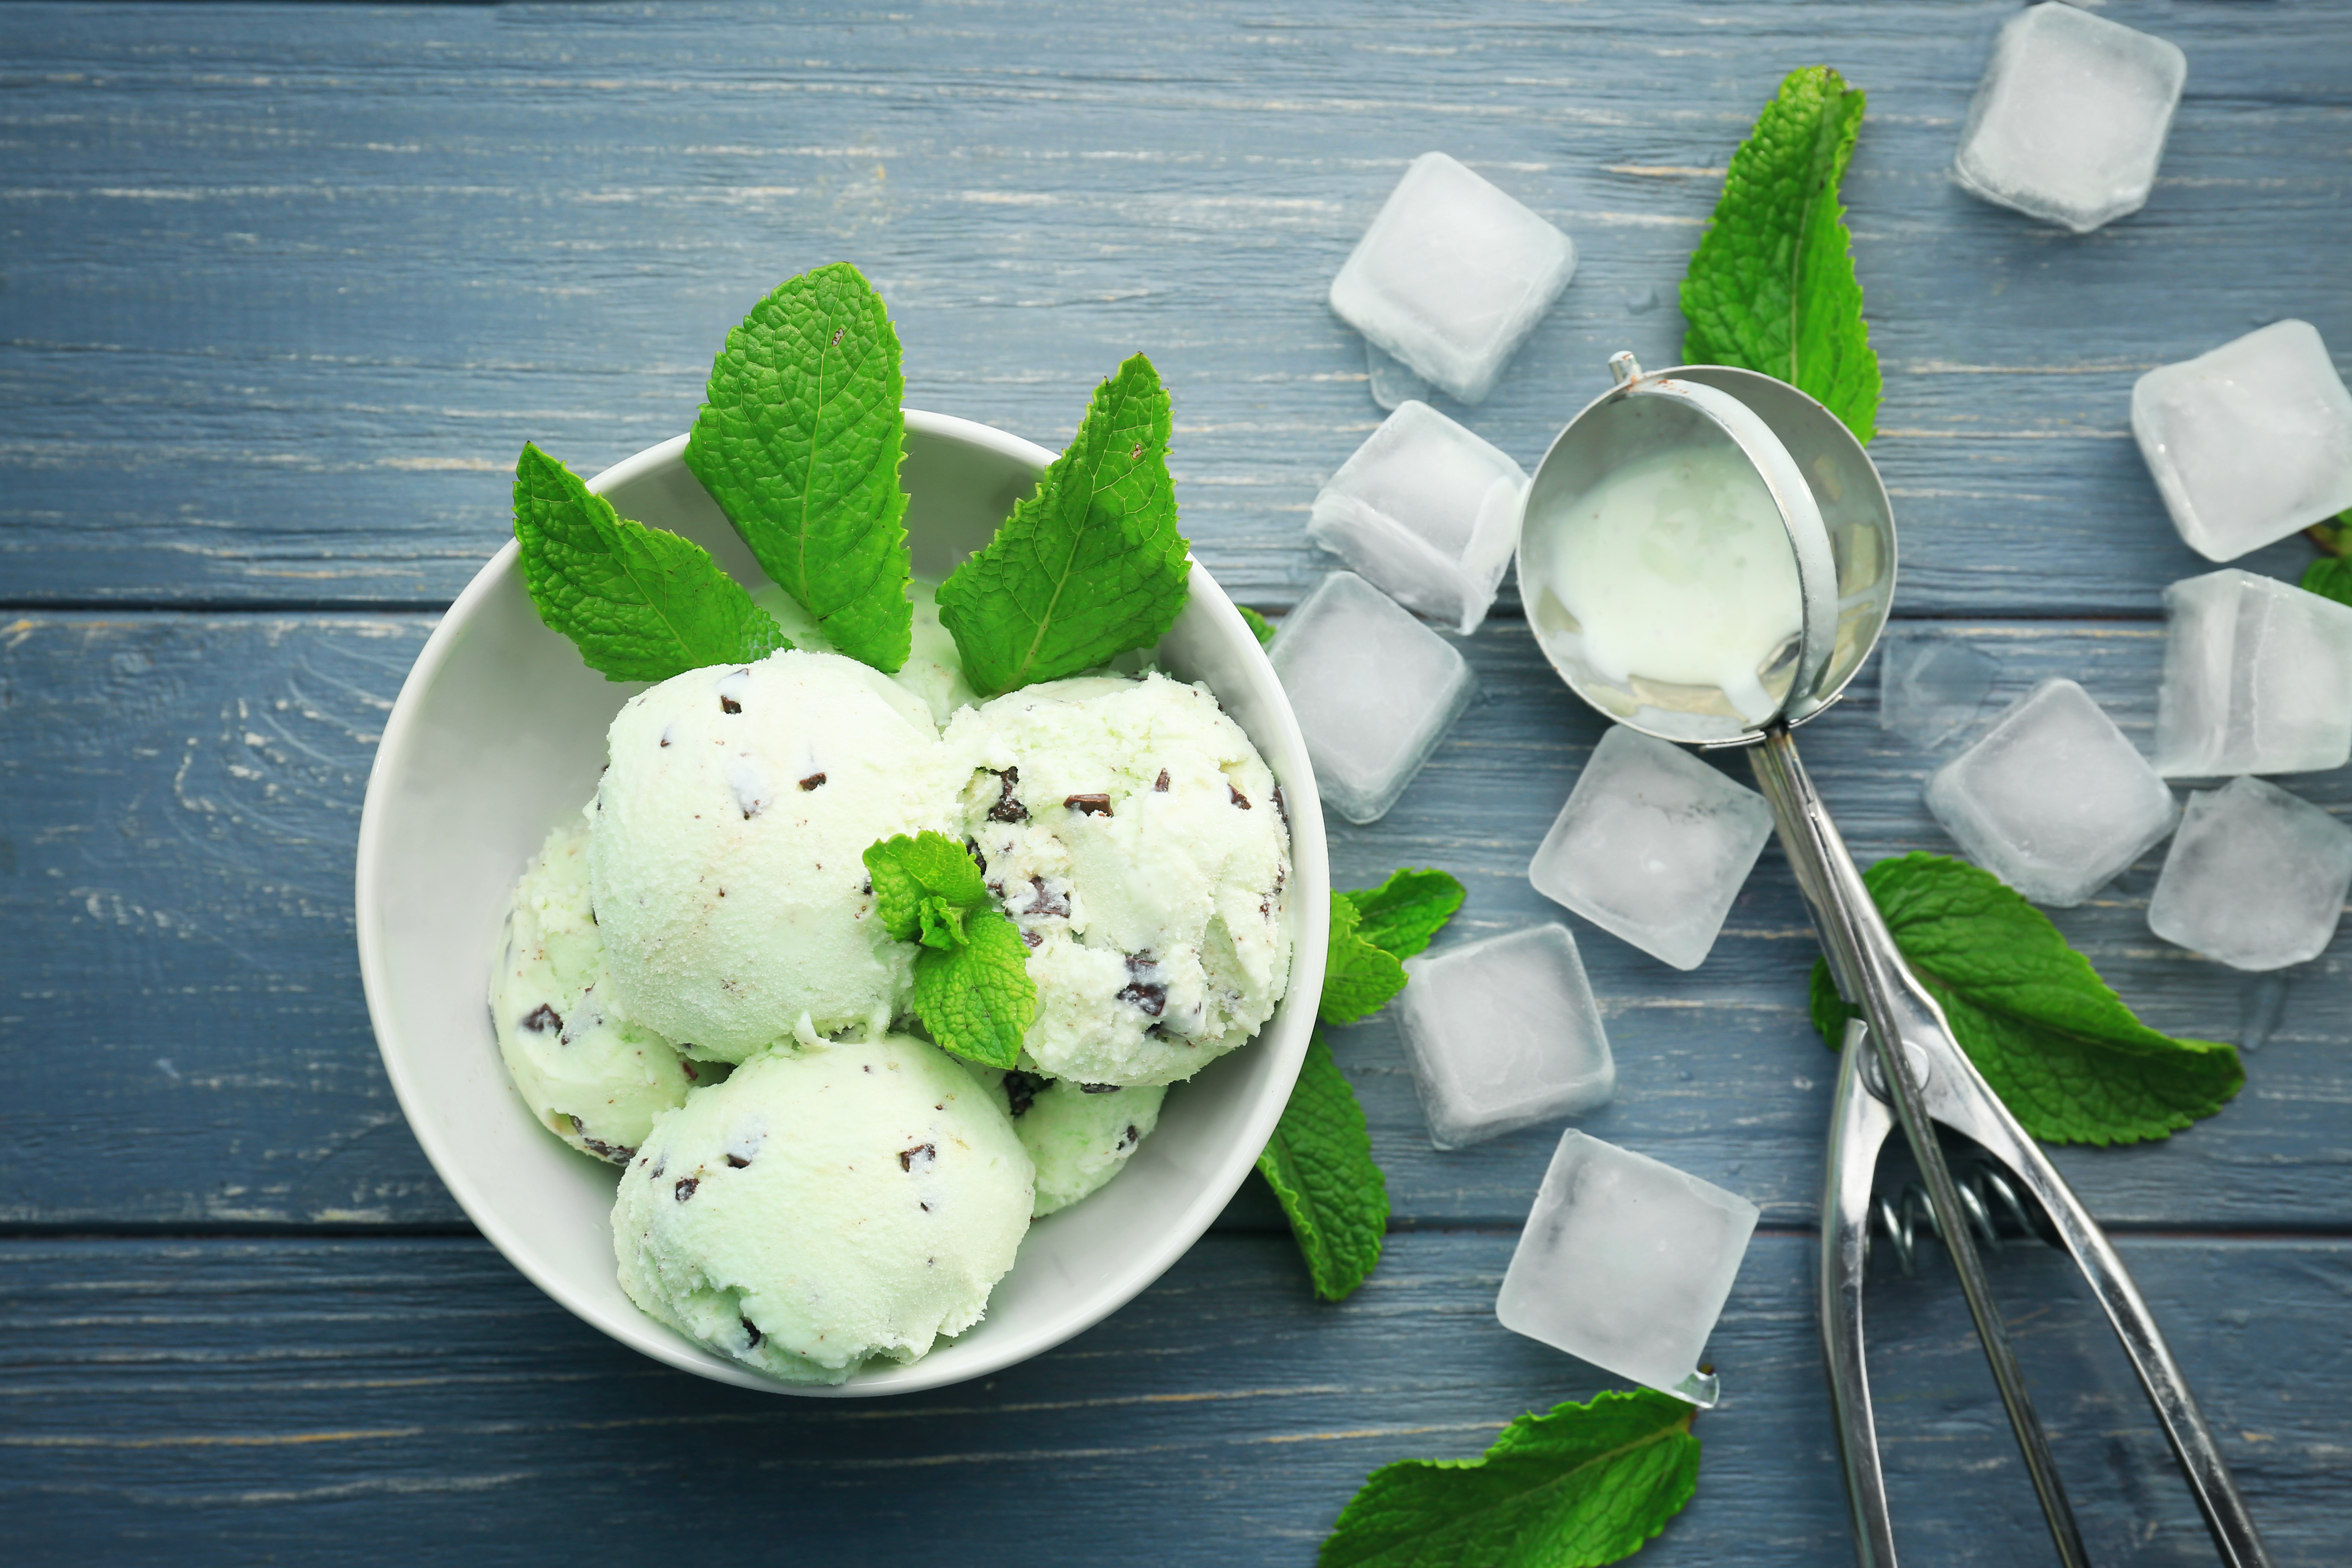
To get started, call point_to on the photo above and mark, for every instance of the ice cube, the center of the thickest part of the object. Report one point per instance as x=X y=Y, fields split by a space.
x=1626 y=1262
x=2257 y=678
x=1651 y=846
x=2249 y=442
x=1374 y=692
x=2256 y=877
x=1392 y=381
x=1452 y=276
x=2069 y=122
x=2054 y=801
x=1502 y=1033
x=1931 y=688
x=1426 y=512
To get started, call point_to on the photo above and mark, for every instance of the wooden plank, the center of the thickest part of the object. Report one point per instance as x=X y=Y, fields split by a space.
x=179 y=798
x=287 y=289
x=306 y=1399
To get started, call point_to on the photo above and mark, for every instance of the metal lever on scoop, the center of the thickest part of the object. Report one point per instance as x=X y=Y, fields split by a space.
x=1924 y=1080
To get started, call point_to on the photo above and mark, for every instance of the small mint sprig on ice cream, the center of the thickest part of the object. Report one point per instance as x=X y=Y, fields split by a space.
x=638 y=603
x=973 y=989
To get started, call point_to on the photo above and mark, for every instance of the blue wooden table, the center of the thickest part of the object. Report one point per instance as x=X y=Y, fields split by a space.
x=283 y=289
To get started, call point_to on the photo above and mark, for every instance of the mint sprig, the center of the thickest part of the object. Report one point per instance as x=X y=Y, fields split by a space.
x=2330 y=577
x=973 y=989
x=1089 y=566
x=1575 y=1488
x=2056 y=1044
x=638 y=603
x=1319 y=1164
x=798 y=442
x=1319 y=1161
x=1772 y=287
x=1260 y=627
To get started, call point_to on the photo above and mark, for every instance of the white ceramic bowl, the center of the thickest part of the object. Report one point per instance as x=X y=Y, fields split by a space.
x=500 y=731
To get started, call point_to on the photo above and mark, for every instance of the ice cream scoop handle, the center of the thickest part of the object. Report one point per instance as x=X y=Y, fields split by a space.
x=1913 y=1047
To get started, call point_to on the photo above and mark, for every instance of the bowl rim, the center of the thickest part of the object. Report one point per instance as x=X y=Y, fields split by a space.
x=646 y=1333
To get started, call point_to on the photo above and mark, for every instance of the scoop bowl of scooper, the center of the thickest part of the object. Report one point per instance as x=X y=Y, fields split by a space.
x=1707 y=555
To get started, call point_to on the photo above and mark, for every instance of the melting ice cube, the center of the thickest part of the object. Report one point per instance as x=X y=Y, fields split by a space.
x=1931 y=688
x=2256 y=877
x=2257 y=678
x=2249 y=442
x=2054 y=801
x=1626 y=1262
x=2069 y=122
x=1653 y=846
x=1425 y=512
x=1452 y=276
x=1502 y=1033
x=1374 y=692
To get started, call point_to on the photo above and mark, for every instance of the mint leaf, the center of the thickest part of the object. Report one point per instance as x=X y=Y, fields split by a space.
x=2060 y=1049
x=638 y=603
x=1359 y=978
x=1772 y=287
x=1402 y=914
x=1089 y=566
x=1260 y=627
x=973 y=989
x=977 y=999
x=1581 y=1486
x=2333 y=534
x=798 y=442
x=2330 y=577
x=1319 y=1164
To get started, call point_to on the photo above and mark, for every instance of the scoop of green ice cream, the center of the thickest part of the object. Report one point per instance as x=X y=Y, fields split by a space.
x=824 y=1205
x=1080 y=1136
x=587 y=1070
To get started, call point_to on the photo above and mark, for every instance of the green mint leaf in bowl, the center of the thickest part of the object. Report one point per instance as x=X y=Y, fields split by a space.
x=1772 y=287
x=639 y=604
x=1577 y=1487
x=973 y=989
x=1090 y=567
x=1319 y=1164
x=798 y=442
x=2056 y=1044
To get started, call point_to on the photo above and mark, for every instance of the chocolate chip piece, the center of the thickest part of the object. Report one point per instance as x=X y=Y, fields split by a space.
x=1150 y=998
x=1033 y=939
x=972 y=848
x=812 y=781
x=1160 y=784
x=729 y=705
x=753 y=1334
x=1132 y=1138
x=1042 y=902
x=687 y=1069
x=541 y=1019
x=737 y=1160
x=1091 y=805
x=659 y=1167
x=685 y=1188
x=1021 y=1090
x=1098 y=1088
x=1281 y=810
x=925 y=1152
x=1239 y=798
x=1008 y=808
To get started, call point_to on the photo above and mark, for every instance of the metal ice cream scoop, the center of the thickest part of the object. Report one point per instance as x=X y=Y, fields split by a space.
x=1595 y=598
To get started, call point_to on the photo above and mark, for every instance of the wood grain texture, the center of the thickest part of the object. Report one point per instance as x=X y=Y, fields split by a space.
x=418 y=1402
x=287 y=288
x=180 y=797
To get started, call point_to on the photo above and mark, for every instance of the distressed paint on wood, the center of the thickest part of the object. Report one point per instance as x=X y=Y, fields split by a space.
x=180 y=796
x=311 y=1399
x=285 y=289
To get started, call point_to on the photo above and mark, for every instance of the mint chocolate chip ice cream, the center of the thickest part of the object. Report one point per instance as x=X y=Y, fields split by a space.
x=725 y=842
x=585 y=1068
x=1138 y=841
x=825 y=1205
